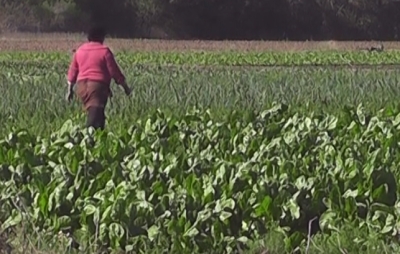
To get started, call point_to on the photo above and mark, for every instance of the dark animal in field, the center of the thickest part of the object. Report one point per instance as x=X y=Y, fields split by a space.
x=378 y=48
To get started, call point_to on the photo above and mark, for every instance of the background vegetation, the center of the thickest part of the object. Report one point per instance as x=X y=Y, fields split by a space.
x=210 y=19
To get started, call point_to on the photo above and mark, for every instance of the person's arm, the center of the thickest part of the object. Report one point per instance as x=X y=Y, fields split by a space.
x=115 y=71
x=73 y=72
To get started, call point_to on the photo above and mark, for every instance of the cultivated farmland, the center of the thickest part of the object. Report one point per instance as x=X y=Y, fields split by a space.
x=240 y=150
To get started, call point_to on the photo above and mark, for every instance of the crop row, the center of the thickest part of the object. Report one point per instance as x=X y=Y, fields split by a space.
x=33 y=97
x=226 y=58
x=193 y=183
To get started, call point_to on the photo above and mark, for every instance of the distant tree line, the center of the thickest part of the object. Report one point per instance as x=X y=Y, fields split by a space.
x=210 y=19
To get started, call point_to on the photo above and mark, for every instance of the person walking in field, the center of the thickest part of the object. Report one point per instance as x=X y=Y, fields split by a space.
x=93 y=67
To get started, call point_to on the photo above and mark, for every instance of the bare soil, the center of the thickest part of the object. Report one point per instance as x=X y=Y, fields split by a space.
x=67 y=42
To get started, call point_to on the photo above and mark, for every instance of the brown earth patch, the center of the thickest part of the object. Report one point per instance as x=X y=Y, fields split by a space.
x=67 y=42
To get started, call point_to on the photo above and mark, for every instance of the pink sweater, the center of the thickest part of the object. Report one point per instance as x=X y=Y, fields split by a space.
x=94 y=61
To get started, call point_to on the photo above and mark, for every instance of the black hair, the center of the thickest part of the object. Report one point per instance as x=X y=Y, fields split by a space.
x=96 y=34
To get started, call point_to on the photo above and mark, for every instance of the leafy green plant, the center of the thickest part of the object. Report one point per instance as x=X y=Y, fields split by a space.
x=191 y=182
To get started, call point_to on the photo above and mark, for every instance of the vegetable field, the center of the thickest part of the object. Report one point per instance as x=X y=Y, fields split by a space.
x=33 y=97
x=215 y=152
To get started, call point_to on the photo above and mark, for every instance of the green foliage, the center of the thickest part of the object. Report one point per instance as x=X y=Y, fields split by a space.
x=193 y=183
x=201 y=159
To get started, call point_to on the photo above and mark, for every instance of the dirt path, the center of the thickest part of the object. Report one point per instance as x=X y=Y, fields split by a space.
x=66 y=42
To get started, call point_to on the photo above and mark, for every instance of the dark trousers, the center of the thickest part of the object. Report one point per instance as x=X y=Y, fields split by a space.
x=96 y=118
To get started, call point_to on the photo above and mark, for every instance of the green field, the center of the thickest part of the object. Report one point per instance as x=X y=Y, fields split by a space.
x=219 y=152
x=33 y=98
